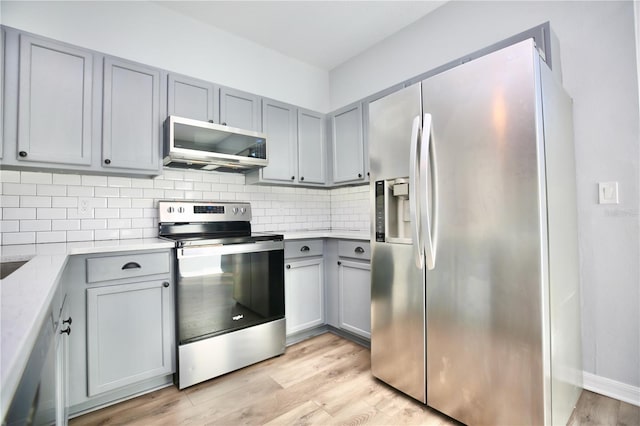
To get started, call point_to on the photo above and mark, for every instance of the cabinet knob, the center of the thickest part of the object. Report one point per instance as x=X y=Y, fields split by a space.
x=304 y=248
x=359 y=175
x=368 y=174
x=359 y=250
x=288 y=266
x=22 y=153
x=339 y=263
x=210 y=121
x=107 y=161
x=302 y=178
x=165 y=284
x=293 y=178
x=66 y=331
x=224 y=123
x=67 y=321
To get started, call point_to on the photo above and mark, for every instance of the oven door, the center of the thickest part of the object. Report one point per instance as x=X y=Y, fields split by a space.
x=223 y=288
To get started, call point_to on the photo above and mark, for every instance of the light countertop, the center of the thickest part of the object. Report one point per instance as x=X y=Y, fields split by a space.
x=328 y=233
x=26 y=294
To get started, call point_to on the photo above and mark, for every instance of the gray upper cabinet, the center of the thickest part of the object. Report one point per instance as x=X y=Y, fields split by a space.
x=192 y=98
x=347 y=144
x=279 y=124
x=54 y=77
x=311 y=147
x=240 y=109
x=130 y=116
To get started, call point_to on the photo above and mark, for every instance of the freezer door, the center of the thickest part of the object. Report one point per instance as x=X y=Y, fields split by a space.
x=397 y=285
x=484 y=296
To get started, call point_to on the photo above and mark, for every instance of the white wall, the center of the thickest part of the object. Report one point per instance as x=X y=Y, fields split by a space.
x=154 y=35
x=598 y=58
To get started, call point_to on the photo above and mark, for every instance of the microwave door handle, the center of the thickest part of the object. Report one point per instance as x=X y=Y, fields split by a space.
x=414 y=193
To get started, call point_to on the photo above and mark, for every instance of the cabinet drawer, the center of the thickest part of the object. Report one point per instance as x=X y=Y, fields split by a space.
x=126 y=266
x=354 y=249
x=302 y=248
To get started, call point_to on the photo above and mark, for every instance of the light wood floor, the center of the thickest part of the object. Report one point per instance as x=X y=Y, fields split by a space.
x=321 y=381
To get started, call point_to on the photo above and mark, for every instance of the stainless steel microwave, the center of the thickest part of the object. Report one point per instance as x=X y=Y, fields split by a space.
x=195 y=144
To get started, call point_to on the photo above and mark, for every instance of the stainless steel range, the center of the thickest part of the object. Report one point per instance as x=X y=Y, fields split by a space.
x=230 y=288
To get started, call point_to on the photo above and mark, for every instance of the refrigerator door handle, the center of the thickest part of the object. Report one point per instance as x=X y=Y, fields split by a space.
x=414 y=192
x=428 y=160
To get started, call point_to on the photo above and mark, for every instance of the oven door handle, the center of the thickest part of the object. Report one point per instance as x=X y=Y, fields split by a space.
x=222 y=249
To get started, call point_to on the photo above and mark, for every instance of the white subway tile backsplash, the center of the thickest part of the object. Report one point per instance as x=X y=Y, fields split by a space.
x=62 y=179
x=52 y=190
x=10 y=176
x=79 y=235
x=65 y=224
x=106 y=192
x=9 y=201
x=35 y=225
x=51 y=237
x=118 y=203
x=126 y=234
x=80 y=191
x=94 y=181
x=10 y=238
x=52 y=213
x=62 y=207
x=26 y=213
x=107 y=234
x=9 y=225
x=35 y=177
x=64 y=202
x=18 y=188
x=121 y=182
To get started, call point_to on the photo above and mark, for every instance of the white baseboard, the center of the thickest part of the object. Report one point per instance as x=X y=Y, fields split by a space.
x=612 y=388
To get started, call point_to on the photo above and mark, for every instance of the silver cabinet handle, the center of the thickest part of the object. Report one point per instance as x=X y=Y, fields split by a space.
x=304 y=248
x=359 y=250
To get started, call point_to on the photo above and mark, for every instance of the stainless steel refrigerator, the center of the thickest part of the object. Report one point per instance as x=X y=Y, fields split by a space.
x=474 y=288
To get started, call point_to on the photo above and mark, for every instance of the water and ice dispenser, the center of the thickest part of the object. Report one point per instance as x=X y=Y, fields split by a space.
x=393 y=218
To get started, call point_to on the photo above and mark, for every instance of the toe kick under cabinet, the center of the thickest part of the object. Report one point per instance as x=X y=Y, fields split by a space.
x=125 y=343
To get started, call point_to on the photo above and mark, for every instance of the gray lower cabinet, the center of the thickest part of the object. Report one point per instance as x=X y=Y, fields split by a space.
x=347 y=144
x=131 y=120
x=240 y=109
x=354 y=282
x=304 y=285
x=123 y=339
x=127 y=338
x=192 y=98
x=54 y=77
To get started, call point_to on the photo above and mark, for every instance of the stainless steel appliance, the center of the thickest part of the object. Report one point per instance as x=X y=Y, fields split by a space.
x=475 y=300
x=230 y=288
x=194 y=144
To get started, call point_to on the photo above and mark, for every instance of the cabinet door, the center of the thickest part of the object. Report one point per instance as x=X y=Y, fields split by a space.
x=191 y=98
x=131 y=120
x=304 y=294
x=129 y=334
x=354 y=280
x=240 y=109
x=279 y=124
x=347 y=144
x=311 y=151
x=54 y=102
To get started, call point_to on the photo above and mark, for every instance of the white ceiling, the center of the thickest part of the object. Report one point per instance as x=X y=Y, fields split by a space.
x=321 y=33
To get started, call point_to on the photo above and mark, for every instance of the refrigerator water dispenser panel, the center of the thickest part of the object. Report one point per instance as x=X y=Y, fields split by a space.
x=393 y=220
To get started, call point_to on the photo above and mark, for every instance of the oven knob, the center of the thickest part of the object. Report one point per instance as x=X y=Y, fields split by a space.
x=235 y=210
x=180 y=209
x=170 y=209
x=243 y=210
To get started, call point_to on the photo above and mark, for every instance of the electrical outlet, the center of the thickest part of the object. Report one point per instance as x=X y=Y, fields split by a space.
x=85 y=209
x=608 y=193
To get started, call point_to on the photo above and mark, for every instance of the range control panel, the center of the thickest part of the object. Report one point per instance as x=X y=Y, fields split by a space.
x=203 y=211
